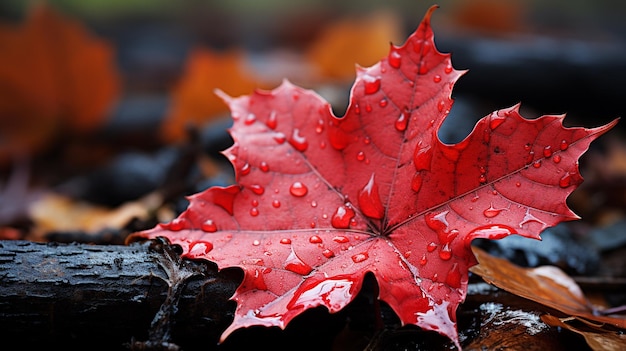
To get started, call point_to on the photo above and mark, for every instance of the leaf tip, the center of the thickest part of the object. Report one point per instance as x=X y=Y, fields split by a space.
x=222 y=95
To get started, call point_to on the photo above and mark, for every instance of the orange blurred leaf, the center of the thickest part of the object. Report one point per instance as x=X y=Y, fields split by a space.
x=194 y=102
x=55 y=77
x=361 y=40
x=547 y=285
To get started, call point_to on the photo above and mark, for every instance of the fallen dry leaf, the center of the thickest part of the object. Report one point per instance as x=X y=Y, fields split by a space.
x=547 y=285
x=55 y=77
x=353 y=40
x=597 y=338
x=194 y=102
x=54 y=212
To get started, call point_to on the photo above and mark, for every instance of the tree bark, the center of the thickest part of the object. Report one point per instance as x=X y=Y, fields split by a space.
x=74 y=295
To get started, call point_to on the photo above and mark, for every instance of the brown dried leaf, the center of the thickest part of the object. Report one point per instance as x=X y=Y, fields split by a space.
x=547 y=285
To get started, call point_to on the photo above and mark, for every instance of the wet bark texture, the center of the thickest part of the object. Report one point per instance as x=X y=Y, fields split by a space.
x=143 y=297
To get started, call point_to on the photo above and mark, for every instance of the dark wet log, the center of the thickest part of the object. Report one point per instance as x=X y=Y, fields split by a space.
x=96 y=296
x=79 y=296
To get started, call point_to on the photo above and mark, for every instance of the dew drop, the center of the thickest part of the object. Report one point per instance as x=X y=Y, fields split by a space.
x=431 y=247
x=276 y=203
x=254 y=212
x=314 y=239
x=556 y=158
x=416 y=182
x=423 y=260
x=272 y=121
x=437 y=222
x=298 y=141
x=319 y=128
x=341 y=239
x=209 y=226
x=440 y=105
x=360 y=257
x=372 y=84
x=566 y=180
x=448 y=69
x=280 y=138
x=527 y=147
x=245 y=169
x=482 y=179
x=491 y=212
x=383 y=102
x=518 y=184
x=395 y=59
x=177 y=224
x=257 y=189
x=564 y=145
x=402 y=121
x=422 y=157
x=547 y=151
x=537 y=164
x=298 y=189
x=285 y=241
x=322 y=144
x=357 y=109
x=328 y=253
x=294 y=264
x=250 y=119
x=368 y=107
x=199 y=248
x=264 y=166
x=256 y=243
x=437 y=78
x=360 y=156
x=313 y=203
x=255 y=203
x=369 y=200
x=367 y=140
x=445 y=253
x=342 y=217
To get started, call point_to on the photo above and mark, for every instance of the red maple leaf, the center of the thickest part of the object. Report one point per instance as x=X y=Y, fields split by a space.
x=320 y=201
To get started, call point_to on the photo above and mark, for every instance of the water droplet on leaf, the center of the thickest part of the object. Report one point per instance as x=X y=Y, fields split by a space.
x=369 y=200
x=209 y=226
x=298 y=141
x=547 y=151
x=372 y=84
x=395 y=59
x=272 y=121
x=342 y=217
x=257 y=189
x=445 y=253
x=199 y=248
x=315 y=239
x=263 y=166
x=294 y=264
x=360 y=257
x=298 y=189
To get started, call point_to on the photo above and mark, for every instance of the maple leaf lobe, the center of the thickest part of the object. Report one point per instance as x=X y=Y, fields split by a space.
x=320 y=201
